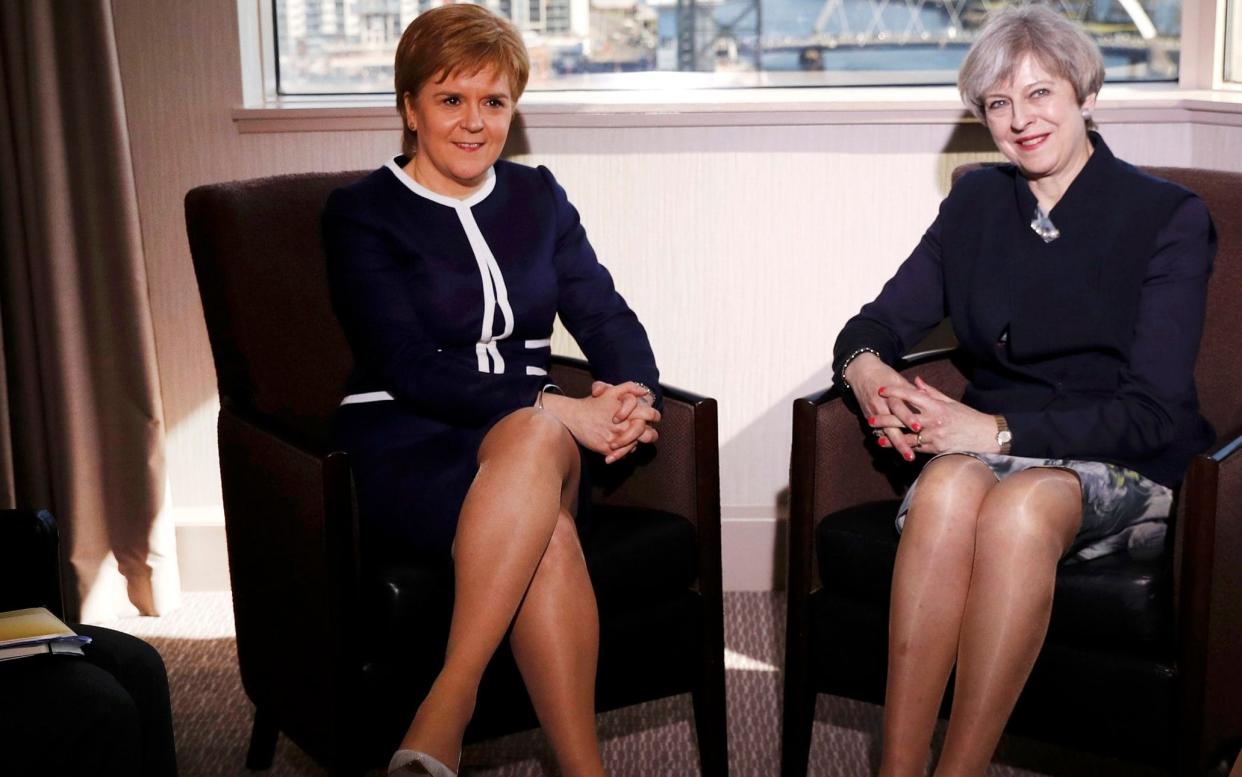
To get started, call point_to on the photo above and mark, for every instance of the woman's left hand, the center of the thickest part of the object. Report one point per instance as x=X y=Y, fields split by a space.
x=944 y=423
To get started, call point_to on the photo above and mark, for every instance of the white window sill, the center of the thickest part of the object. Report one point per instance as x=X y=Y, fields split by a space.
x=1137 y=103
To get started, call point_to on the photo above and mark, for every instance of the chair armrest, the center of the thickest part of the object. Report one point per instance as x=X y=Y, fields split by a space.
x=30 y=561
x=1208 y=566
x=833 y=464
x=679 y=473
x=291 y=533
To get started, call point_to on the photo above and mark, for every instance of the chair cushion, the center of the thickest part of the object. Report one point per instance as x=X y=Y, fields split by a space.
x=634 y=557
x=1115 y=602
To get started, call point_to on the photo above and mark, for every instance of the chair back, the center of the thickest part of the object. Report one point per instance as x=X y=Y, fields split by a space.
x=1218 y=370
x=262 y=276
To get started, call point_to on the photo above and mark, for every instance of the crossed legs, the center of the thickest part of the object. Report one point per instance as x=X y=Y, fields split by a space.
x=972 y=586
x=517 y=561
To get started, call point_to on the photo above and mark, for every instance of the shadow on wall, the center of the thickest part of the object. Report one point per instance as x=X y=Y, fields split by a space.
x=517 y=144
x=968 y=143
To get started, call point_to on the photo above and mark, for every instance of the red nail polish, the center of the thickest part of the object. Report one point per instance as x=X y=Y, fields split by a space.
x=881 y=391
x=916 y=427
x=882 y=442
x=909 y=457
x=871 y=420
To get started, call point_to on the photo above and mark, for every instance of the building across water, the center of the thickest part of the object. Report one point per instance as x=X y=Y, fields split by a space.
x=334 y=46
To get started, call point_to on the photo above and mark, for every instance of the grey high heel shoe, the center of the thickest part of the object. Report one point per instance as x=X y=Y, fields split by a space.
x=411 y=762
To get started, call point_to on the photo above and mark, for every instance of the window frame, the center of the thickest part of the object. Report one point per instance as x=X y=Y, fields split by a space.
x=1200 y=93
x=1221 y=30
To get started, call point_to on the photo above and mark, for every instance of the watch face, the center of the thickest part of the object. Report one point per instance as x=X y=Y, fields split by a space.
x=1004 y=437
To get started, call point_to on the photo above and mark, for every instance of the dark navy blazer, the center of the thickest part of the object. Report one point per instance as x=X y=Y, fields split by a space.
x=1086 y=344
x=448 y=307
x=412 y=294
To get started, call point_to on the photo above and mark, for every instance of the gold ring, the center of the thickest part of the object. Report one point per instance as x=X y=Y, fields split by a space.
x=918 y=440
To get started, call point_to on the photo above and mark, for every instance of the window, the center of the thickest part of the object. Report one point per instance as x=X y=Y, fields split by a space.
x=1233 y=42
x=346 y=46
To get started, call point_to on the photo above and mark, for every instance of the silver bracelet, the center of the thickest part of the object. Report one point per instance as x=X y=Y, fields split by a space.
x=555 y=389
x=865 y=349
x=649 y=396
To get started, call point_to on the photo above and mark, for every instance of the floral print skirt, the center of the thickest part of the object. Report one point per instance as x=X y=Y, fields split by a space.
x=1121 y=509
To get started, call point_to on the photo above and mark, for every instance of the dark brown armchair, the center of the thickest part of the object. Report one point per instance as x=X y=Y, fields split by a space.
x=337 y=656
x=1142 y=659
x=30 y=561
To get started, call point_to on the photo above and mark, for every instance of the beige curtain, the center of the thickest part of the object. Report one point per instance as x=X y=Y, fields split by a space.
x=81 y=421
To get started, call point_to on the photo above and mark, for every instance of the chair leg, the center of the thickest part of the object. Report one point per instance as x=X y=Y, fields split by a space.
x=799 y=712
x=262 y=741
x=711 y=722
x=796 y=731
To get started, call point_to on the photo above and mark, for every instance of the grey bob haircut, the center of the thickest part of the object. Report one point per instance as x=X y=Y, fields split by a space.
x=1059 y=45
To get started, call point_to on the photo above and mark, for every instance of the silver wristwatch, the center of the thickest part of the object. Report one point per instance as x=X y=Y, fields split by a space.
x=1004 y=437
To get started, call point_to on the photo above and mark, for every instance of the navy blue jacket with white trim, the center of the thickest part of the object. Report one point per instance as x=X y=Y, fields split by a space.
x=412 y=293
x=1086 y=344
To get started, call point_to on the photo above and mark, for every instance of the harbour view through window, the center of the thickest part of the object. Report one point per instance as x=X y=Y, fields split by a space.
x=346 y=46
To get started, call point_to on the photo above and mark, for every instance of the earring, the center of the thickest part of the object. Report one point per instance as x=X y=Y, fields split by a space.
x=1086 y=115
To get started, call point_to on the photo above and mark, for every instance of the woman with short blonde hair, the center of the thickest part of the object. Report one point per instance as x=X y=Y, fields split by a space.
x=448 y=266
x=461 y=38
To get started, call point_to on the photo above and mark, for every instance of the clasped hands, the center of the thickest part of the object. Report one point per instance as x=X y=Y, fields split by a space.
x=612 y=421
x=916 y=417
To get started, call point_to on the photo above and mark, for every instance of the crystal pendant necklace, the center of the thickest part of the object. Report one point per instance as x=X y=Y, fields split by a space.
x=1043 y=226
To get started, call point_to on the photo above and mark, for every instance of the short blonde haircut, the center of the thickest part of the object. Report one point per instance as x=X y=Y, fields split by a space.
x=1059 y=45
x=453 y=39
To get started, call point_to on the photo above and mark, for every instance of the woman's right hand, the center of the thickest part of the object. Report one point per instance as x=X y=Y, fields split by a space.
x=869 y=378
x=592 y=421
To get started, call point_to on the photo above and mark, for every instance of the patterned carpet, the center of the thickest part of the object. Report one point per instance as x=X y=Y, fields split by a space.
x=212 y=715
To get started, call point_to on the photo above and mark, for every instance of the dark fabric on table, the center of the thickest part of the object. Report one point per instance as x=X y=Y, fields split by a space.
x=1086 y=344
x=107 y=712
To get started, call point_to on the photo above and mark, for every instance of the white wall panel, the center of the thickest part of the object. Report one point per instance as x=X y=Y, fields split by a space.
x=742 y=248
x=1217 y=147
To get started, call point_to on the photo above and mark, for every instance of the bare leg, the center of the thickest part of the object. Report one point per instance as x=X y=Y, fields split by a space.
x=555 y=641
x=528 y=472
x=1026 y=525
x=930 y=584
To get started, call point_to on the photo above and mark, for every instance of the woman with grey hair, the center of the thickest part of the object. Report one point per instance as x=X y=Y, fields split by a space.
x=1075 y=284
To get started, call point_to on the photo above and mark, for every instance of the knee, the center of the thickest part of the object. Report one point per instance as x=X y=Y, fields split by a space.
x=105 y=725
x=949 y=493
x=530 y=433
x=1035 y=510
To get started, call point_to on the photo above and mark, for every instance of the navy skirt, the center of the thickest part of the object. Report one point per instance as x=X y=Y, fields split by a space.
x=411 y=475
